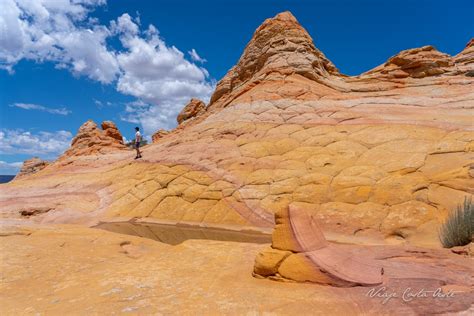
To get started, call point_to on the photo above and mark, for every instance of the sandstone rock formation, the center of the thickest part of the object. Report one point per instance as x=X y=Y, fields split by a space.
x=465 y=59
x=195 y=107
x=372 y=156
x=159 y=135
x=415 y=63
x=279 y=47
x=111 y=130
x=31 y=166
x=91 y=140
x=300 y=252
x=358 y=171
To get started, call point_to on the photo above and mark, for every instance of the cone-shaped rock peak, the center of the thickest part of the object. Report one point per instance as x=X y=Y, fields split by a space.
x=280 y=45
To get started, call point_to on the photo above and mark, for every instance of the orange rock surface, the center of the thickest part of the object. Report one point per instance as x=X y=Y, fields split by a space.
x=159 y=135
x=31 y=166
x=111 y=130
x=308 y=256
x=194 y=108
x=68 y=269
x=376 y=154
x=373 y=161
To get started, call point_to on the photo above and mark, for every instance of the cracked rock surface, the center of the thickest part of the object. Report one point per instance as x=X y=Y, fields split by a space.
x=377 y=154
x=377 y=160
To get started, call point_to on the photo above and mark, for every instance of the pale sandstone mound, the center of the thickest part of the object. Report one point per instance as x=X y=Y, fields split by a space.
x=195 y=107
x=300 y=252
x=159 y=135
x=91 y=140
x=367 y=156
x=31 y=166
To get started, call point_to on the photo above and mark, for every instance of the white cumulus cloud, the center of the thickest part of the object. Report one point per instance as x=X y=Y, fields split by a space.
x=45 y=144
x=56 y=31
x=30 y=106
x=16 y=164
x=157 y=74
x=10 y=167
x=195 y=56
x=145 y=66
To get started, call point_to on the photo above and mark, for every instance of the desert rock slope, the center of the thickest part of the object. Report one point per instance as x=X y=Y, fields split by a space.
x=375 y=160
x=388 y=152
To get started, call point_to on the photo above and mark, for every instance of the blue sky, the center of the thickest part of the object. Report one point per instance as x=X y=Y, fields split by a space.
x=64 y=63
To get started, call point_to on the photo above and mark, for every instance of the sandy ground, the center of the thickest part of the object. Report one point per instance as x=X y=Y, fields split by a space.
x=72 y=270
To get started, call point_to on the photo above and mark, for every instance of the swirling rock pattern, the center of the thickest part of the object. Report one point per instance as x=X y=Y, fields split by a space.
x=381 y=153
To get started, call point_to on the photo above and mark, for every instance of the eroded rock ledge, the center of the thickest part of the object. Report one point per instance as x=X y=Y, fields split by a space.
x=300 y=252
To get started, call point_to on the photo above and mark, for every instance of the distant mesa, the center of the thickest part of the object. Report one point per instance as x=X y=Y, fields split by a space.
x=92 y=140
x=31 y=166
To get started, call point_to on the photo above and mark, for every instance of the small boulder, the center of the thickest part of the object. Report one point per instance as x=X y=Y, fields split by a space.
x=159 y=135
x=268 y=261
x=194 y=108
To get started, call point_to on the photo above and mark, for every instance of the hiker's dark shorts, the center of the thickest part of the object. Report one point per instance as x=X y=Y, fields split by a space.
x=137 y=145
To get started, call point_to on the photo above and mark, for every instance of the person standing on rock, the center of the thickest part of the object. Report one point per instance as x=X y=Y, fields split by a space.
x=138 y=139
